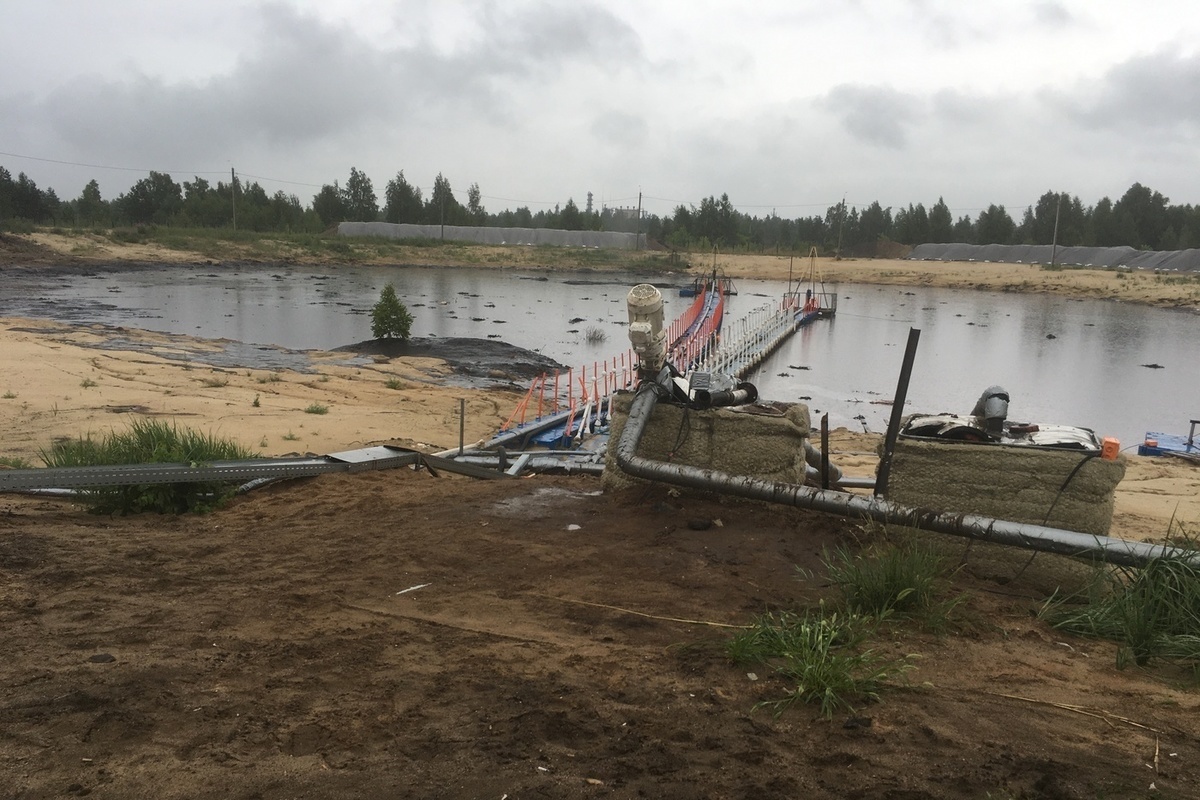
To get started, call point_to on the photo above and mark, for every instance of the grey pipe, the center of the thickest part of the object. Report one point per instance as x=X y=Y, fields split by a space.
x=972 y=526
x=537 y=463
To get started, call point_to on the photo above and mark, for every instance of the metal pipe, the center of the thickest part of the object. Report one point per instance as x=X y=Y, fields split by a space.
x=972 y=526
x=537 y=463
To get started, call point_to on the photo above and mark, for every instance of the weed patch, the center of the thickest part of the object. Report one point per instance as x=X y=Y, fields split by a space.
x=149 y=442
x=909 y=582
x=1152 y=612
x=821 y=655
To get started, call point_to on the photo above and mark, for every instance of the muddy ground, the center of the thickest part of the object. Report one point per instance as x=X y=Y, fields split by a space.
x=280 y=647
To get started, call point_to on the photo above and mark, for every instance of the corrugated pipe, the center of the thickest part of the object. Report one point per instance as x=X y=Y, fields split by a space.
x=972 y=526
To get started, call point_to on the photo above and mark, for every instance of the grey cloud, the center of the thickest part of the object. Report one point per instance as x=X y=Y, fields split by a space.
x=552 y=34
x=1157 y=91
x=955 y=108
x=621 y=129
x=309 y=82
x=1052 y=13
x=875 y=114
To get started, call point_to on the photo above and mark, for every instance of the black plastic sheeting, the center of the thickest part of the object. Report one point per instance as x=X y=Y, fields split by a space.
x=1164 y=260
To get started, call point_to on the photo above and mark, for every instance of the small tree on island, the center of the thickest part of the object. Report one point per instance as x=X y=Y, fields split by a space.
x=390 y=318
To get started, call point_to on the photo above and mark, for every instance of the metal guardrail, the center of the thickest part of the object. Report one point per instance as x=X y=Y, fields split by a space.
x=369 y=458
x=751 y=339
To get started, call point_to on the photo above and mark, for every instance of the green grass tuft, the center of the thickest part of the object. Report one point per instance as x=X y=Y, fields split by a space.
x=317 y=408
x=908 y=581
x=149 y=442
x=821 y=655
x=1152 y=612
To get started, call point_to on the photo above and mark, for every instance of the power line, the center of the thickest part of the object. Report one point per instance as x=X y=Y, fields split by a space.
x=106 y=166
x=281 y=180
x=516 y=200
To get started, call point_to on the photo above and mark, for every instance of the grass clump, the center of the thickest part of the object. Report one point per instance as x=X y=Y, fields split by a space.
x=149 y=442
x=1152 y=612
x=595 y=335
x=907 y=581
x=317 y=408
x=9 y=395
x=87 y=383
x=14 y=462
x=395 y=383
x=821 y=655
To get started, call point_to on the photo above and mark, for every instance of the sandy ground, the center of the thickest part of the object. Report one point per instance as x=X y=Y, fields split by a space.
x=55 y=382
x=269 y=649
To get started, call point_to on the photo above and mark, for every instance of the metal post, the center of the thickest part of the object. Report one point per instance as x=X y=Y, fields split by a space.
x=638 y=238
x=825 y=451
x=462 y=423
x=889 y=443
x=1054 y=245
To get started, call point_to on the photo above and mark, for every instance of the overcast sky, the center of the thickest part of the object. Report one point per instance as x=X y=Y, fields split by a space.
x=785 y=104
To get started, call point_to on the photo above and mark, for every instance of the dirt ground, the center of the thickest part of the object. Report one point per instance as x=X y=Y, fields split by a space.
x=396 y=634
x=280 y=647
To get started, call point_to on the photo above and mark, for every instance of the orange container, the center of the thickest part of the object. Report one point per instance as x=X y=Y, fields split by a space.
x=1110 y=448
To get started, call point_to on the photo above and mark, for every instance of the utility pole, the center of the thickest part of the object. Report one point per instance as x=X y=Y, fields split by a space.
x=233 y=194
x=638 y=240
x=1054 y=244
x=841 y=224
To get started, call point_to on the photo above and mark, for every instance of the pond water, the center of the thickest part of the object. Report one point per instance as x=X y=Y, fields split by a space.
x=1063 y=361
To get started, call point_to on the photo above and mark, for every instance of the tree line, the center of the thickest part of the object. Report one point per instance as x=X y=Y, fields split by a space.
x=1141 y=218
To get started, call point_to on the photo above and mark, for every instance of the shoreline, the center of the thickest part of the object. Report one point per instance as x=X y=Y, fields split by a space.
x=68 y=380
x=90 y=251
x=64 y=381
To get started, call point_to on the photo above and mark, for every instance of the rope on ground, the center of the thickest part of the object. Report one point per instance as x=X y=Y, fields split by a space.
x=641 y=613
x=1098 y=713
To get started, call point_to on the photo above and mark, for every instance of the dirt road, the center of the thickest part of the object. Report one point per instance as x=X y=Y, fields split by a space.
x=399 y=635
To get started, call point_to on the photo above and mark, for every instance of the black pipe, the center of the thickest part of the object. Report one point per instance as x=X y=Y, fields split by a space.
x=972 y=526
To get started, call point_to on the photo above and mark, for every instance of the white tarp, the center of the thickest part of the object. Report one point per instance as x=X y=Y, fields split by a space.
x=460 y=233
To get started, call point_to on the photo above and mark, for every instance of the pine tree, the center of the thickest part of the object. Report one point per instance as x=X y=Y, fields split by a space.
x=390 y=318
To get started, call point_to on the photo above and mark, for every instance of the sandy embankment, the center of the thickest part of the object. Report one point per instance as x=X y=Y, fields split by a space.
x=55 y=383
